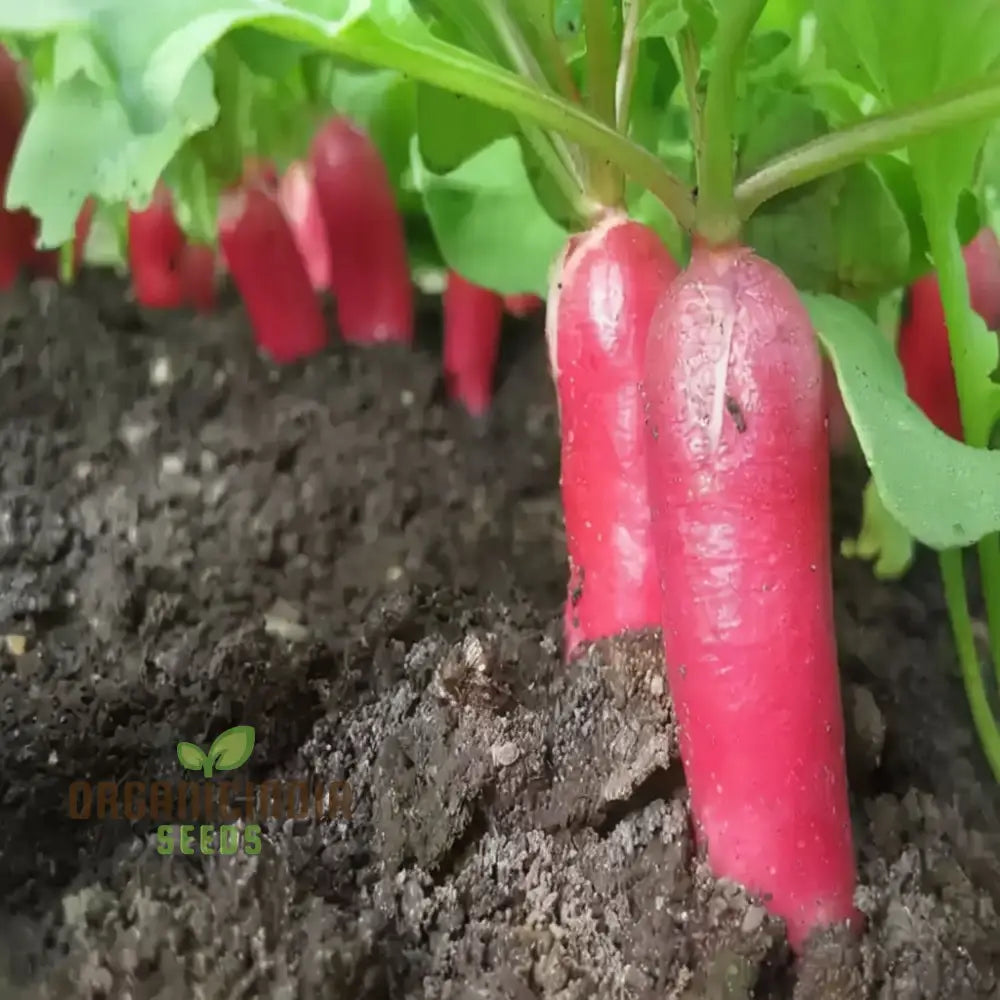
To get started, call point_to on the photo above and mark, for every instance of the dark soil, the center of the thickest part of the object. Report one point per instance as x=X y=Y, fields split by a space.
x=191 y=540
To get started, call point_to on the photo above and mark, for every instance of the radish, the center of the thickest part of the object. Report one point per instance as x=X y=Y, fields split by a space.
x=297 y=194
x=739 y=485
x=18 y=229
x=521 y=306
x=197 y=267
x=923 y=348
x=267 y=269
x=472 y=320
x=369 y=267
x=604 y=290
x=156 y=243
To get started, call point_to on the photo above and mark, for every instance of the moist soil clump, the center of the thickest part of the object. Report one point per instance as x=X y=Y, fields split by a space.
x=191 y=539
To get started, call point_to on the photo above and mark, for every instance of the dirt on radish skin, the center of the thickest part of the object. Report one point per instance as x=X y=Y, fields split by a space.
x=604 y=290
x=739 y=487
x=168 y=544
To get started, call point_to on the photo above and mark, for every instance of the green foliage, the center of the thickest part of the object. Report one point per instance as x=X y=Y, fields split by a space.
x=960 y=503
x=489 y=225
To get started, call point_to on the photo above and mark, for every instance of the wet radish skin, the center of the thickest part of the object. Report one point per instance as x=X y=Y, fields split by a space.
x=604 y=290
x=739 y=487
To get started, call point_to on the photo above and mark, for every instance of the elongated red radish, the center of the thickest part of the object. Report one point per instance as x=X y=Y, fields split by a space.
x=473 y=317
x=739 y=485
x=155 y=245
x=18 y=229
x=923 y=348
x=197 y=267
x=369 y=266
x=604 y=289
x=521 y=306
x=268 y=270
x=300 y=203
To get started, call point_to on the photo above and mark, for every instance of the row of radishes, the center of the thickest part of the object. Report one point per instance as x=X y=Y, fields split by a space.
x=328 y=222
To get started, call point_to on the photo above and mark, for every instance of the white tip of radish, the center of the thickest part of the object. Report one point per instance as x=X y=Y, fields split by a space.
x=566 y=264
x=295 y=192
x=232 y=206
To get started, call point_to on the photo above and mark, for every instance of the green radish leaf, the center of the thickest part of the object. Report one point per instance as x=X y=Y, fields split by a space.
x=951 y=496
x=488 y=222
x=74 y=53
x=453 y=128
x=656 y=80
x=882 y=540
x=384 y=103
x=265 y=54
x=873 y=238
x=701 y=15
x=78 y=142
x=764 y=47
x=796 y=231
x=843 y=233
x=191 y=756
x=650 y=211
x=232 y=749
x=906 y=51
x=46 y=18
x=662 y=19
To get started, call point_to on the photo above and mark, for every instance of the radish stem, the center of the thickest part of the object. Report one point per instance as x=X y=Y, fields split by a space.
x=625 y=78
x=718 y=221
x=605 y=181
x=958 y=612
x=459 y=72
x=877 y=134
x=690 y=67
x=953 y=283
x=551 y=149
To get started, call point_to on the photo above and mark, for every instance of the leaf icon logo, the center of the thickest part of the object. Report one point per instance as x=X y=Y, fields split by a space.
x=229 y=750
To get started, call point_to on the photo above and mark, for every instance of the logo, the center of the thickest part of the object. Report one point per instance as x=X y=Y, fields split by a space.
x=229 y=750
x=211 y=816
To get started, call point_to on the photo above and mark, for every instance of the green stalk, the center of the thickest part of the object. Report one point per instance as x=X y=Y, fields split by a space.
x=878 y=134
x=67 y=262
x=629 y=56
x=718 y=221
x=601 y=59
x=551 y=149
x=457 y=71
x=960 y=321
x=952 y=573
x=690 y=68
x=606 y=182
